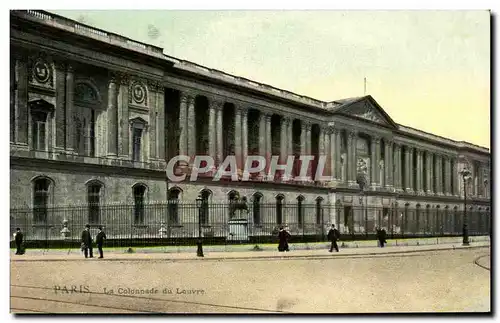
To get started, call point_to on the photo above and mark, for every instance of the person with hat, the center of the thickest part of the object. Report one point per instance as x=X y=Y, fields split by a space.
x=99 y=239
x=87 y=242
x=283 y=236
x=333 y=235
x=19 y=241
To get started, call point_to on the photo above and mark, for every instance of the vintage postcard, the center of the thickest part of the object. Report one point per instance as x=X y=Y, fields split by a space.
x=250 y=162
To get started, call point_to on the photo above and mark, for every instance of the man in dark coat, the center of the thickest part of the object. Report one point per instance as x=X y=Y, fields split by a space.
x=283 y=237
x=19 y=241
x=87 y=242
x=99 y=239
x=381 y=236
x=333 y=235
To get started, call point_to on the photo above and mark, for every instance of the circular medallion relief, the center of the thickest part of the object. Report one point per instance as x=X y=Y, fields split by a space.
x=138 y=93
x=42 y=72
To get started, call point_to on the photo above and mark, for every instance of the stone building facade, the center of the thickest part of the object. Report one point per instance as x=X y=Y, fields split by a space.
x=94 y=117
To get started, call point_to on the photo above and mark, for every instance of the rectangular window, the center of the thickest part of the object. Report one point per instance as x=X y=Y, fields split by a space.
x=136 y=139
x=38 y=130
x=89 y=132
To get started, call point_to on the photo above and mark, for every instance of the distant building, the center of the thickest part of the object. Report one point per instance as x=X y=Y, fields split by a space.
x=94 y=117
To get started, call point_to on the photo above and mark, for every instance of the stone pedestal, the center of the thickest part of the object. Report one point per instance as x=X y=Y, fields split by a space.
x=238 y=230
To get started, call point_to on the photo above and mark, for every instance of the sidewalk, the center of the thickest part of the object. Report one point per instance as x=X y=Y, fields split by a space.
x=189 y=253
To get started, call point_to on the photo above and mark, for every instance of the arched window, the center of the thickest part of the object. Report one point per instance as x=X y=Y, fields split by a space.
x=139 y=192
x=94 y=201
x=205 y=214
x=279 y=209
x=87 y=99
x=41 y=193
x=173 y=205
x=300 y=211
x=319 y=210
x=257 y=199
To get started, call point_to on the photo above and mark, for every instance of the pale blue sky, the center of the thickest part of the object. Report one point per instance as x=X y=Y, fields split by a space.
x=428 y=69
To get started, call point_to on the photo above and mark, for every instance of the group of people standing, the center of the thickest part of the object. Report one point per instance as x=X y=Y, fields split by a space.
x=87 y=241
x=333 y=236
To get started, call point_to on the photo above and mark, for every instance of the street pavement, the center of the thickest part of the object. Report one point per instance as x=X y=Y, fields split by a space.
x=424 y=278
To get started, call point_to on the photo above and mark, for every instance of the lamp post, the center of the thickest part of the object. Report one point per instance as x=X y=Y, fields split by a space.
x=199 y=203
x=465 y=176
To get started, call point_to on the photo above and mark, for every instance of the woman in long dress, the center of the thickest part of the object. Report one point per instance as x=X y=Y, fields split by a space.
x=283 y=237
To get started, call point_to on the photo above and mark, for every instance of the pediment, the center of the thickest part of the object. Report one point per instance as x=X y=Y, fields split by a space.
x=40 y=105
x=368 y=109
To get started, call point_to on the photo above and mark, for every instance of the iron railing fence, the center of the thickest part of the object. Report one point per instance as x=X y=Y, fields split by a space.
x=221 y=223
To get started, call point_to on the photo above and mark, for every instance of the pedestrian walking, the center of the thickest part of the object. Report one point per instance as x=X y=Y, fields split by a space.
x=381 y=235
x=333 y=236
x=87 y=242
x=99 y=239
x=283 y=237
x=18 y=237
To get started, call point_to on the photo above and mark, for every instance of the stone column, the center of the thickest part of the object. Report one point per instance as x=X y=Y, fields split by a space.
x=112 y=116
x=321 y=142
x=60 y=106
x=268 y=153
x=308 y=149
x=244 y=134
x=238 y=149
x=407 y=170
x=70 y=130
x=303 y=138
x=448 y=176
x=378 y=156
x=262 y=134
x=283 y=138
x=391 y=163
x=397 y=160
x=387 y=163
x=219 y=147
x=337 y=165
x=327 y=151
x=160 y=122
x=374 y=161
x=21 y=102
x=436 y=175
x=289 y=137
x=411 y=169
x=212 y=130
x=351 y=159
x=428 y=172
x=454 y=176
x=333 y=152
x=123 y=124
x=191 y=127
x=184 y=99
x=418 y=184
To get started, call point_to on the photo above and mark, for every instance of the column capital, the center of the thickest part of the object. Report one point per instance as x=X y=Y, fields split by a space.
x=216 y=104
x=124 y=78
x=113 y=78
x=154 y=86
x=351 y=133
x=185 y=97
x=60 y=65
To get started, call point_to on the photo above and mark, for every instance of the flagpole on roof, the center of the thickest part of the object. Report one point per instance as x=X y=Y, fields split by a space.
x=365 y=87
